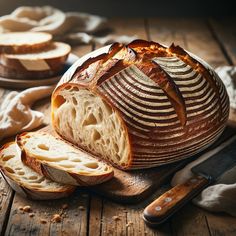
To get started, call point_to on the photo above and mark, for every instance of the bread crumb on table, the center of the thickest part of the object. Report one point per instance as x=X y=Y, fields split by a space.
x=130 y=223
x=26 y=208
x=115 y=218
x=56 y=218
x=31 y=215
x=43 y=221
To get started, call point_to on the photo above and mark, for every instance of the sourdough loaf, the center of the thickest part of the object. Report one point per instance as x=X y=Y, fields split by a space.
x=25 y=181
x=140 y=105
x=20 y=42
x=61 y=162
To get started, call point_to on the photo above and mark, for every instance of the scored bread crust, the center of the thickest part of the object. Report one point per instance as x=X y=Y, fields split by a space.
x=172 y=104
x=84 y=174
x=21 y=42
x=51 y=58
x=37 y=187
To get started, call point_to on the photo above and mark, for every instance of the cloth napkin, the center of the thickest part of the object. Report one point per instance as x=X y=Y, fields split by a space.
x=220 y=197
x=16 y=114
x=72 y=27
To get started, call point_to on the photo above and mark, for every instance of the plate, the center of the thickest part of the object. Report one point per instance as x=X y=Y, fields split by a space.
x=22 y=84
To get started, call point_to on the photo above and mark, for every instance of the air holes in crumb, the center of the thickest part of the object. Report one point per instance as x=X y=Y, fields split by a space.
x=74 y=101
x=20 y=172
x=10 y=170
x=67 y=165
x=67 y=87
x=91 y=120
x=73 y=113
x=96 y=135
x=117 y=157
x=43 y=147
x=116 y=147
x=59 y=100
x=8 y=157
x=75 y=89
x=18 y=168
x=108 y=108
x=91 y=165
x=33 y=177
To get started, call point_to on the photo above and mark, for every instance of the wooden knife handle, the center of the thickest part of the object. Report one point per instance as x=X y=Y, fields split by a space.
x=171 y=201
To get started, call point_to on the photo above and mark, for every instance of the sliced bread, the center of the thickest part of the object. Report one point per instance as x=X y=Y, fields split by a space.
x=25 y=181
x=61 y=162
x=11 y=73
x=17 y=42
x=50 y=58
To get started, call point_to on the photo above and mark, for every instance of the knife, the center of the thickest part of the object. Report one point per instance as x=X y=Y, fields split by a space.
x=205 y=173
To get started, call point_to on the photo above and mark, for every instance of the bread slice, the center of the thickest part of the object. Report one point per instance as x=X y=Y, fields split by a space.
x=17 y=42
x=50 y=58
x=25 y=181
x=61 y=162
x=12 y=73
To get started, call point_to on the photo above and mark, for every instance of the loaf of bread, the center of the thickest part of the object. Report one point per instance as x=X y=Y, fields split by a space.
x=25 y=181
x=61 y=162
x=140 y=105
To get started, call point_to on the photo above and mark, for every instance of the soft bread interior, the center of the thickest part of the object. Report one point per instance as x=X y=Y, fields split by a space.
x=87 y=120
x=58 y=154
x=14 y=168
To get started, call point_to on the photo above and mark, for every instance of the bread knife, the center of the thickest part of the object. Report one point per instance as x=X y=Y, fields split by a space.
x=205 y=173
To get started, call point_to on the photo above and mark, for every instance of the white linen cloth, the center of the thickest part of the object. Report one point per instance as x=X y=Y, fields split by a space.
x=220 y=197
x=72 y=27
x=16 y=114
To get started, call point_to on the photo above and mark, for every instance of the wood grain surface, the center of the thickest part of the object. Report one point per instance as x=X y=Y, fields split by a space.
x=90 y=214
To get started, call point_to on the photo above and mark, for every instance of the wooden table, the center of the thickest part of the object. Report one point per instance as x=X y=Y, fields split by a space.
x=88 y=214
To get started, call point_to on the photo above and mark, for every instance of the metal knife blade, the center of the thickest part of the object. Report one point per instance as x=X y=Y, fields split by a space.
x=218 y=163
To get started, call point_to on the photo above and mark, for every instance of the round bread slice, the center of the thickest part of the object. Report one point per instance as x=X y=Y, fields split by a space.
x=51 y=58
x=17 y=42
x=12 y=73
x=25 y=181
x=61 y=162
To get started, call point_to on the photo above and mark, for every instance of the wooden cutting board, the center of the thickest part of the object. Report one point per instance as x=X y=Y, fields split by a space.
x=135 y=186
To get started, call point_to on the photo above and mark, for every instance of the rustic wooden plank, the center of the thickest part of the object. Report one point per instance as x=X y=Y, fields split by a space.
x=73 y=212
x=81 y=50
x=224 y=31
x=192 y=34
x=6 y=197
x=130 y=27
x=221 y=224
x=95 y=216
x=190 y=220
